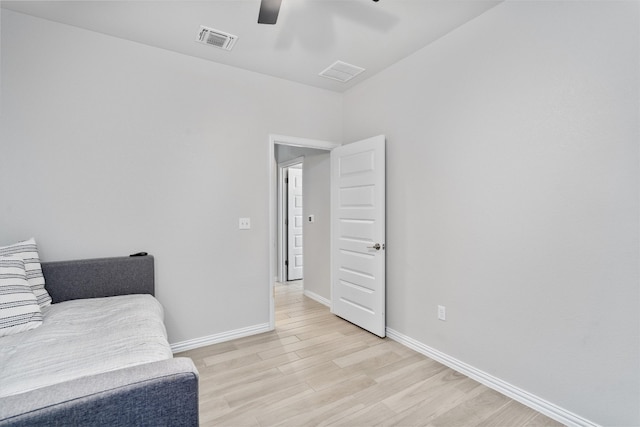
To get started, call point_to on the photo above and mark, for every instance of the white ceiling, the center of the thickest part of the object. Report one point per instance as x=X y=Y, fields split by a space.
x=309 y=36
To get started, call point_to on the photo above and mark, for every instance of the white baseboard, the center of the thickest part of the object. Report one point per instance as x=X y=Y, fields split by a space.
x=317 y=298
x=218 y=338
x=547 y=408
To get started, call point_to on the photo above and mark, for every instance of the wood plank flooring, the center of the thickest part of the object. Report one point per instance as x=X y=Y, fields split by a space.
x=316 y=369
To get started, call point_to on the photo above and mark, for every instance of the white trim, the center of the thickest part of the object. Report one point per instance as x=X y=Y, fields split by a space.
x=273 y=184
x=547 y=408
x=294 y=141
x=318 y=298
x=218 y=338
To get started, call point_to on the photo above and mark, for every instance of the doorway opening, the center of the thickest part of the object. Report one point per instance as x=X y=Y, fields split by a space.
x=285 y=152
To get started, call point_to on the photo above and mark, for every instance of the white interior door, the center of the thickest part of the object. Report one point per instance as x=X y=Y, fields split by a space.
x=294 y=224
x=358 y=233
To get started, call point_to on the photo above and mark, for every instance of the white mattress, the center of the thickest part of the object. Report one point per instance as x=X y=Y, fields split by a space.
x=84 y=337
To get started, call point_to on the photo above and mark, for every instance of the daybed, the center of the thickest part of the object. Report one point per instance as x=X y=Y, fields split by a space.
x=100 y=356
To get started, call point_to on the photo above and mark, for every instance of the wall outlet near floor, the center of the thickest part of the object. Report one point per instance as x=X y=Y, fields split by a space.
x=244 y=223
x=442 y=312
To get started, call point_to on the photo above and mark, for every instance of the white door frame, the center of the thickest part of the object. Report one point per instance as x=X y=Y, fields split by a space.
x=282 y=209
x=291 y=141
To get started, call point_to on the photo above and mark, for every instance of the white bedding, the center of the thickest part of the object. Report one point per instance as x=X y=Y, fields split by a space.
x=84 y=337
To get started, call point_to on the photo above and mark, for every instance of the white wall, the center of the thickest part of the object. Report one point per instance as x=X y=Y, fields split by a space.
x=512 y=185
x=317 y=235
x=119 y=147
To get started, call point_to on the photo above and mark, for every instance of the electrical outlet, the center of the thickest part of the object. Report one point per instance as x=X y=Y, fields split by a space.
x=244 y=223
x=442 y=312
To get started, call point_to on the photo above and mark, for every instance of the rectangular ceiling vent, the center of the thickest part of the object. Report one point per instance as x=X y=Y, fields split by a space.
x=341 y=71
x=216 y=38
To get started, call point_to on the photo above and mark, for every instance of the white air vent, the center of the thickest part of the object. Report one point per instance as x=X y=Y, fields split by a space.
x=216 y=38
x=341 y=71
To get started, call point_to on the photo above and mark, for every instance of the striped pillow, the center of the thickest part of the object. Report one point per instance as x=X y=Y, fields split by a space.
x=28 y=251
x=19 y=309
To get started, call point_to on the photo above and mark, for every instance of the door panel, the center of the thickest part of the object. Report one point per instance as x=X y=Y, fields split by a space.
x=358 y=224
x=294 y=228
x=357 y=230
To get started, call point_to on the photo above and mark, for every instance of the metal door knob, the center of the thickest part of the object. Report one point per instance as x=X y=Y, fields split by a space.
x=376 y=247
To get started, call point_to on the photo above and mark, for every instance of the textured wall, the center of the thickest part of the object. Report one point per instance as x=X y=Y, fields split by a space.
x=110 y=147
x=512 y=198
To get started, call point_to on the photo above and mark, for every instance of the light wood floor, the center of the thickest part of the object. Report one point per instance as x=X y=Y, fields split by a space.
x=317 y=369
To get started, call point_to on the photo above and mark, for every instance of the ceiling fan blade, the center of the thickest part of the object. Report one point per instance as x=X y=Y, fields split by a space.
x=269 y=11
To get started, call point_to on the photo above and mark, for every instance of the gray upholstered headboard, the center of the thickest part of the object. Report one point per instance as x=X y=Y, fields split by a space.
x=100 y=277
